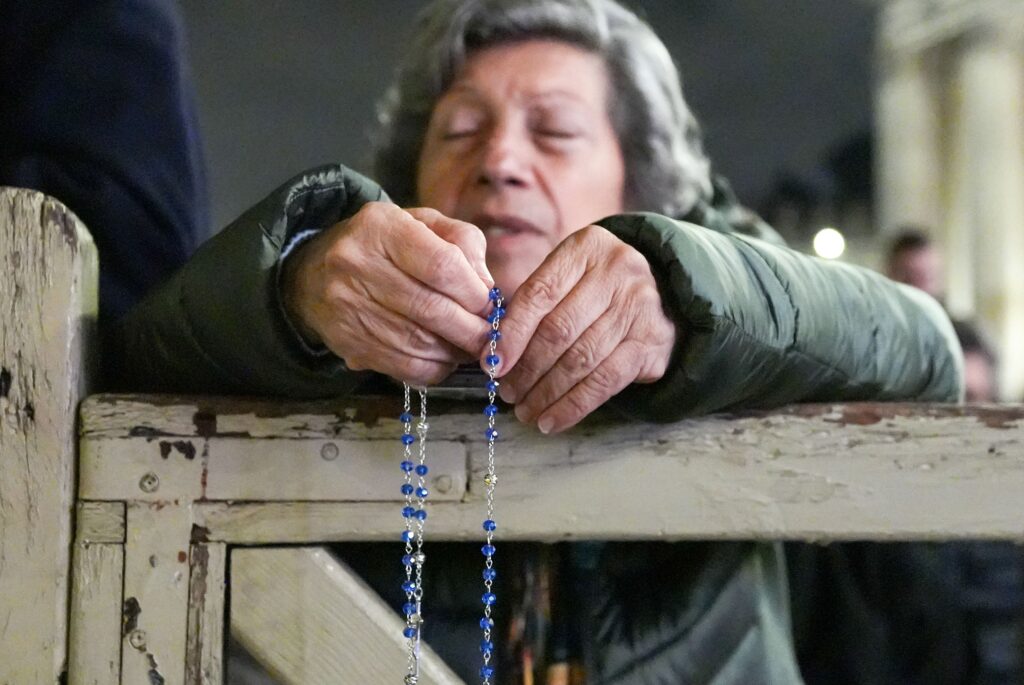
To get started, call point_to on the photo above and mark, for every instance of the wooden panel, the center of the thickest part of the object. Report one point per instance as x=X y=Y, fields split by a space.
x=310 y=621
x=100 y=522
x=94 y=651
x=205 y=647
x=304 y=470
x=141 y=470
x=850 y=473
x=156 y=584
x=48 y=299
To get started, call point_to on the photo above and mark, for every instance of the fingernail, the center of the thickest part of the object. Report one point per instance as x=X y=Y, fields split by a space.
x=545 y=425
x=506 y=393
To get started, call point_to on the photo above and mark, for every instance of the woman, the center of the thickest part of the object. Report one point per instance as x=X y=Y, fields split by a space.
x=528 y=128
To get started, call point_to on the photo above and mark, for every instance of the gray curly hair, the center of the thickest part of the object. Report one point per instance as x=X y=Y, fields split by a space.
x=666 y=169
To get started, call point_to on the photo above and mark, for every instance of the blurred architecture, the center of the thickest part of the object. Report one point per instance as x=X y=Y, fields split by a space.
x=950 y=152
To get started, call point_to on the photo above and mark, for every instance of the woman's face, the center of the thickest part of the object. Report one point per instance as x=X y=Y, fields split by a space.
x=522 y=147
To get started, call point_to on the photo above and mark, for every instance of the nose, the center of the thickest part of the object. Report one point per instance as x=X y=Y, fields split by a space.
x=505 y=159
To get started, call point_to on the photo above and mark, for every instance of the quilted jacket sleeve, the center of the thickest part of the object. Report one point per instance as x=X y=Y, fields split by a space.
x=217 y=326
x=762 y=325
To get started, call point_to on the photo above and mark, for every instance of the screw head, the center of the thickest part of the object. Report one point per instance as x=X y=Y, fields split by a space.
x=137 y=639
x=149 y=482
x=329 y=452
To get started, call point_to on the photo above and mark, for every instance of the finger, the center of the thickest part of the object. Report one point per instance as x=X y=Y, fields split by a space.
x=610 y=377
x=557 y=333
x=431 y=310
x=466 y=236
x=535 y=299
x=577 y=363
x=435 y=262
x=392 y=331
x=379 y=334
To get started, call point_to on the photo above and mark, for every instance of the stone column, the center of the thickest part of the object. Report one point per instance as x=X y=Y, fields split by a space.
x=987 y=185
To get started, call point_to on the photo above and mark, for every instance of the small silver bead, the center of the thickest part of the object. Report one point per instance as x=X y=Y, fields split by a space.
x=411 y=679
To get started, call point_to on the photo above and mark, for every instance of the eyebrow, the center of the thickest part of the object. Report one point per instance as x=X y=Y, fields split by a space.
x=555 y=93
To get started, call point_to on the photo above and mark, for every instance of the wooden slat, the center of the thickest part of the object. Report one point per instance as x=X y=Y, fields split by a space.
x=851 y=473
x=310 y=621
x=204 y=656
x=141 y=470
x=48 y=300
x=99 y=522
x=94 y=652
x=156 y=583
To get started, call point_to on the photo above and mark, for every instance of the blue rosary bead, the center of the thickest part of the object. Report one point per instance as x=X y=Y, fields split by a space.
x=490 y=574
x=488 y=550
x=407 y=466
x=490 y=410
x=489 y=598
x=486 y=646
x=491 y=433
x=495 y=294
x=495 y=335
x=409 y=586
x=405 y=417
x=422 y=492
x=409 y=608
x=486 y=623
x=490 y=525
x=409 y=632
x=408 y=536
x=408 y=438
x=492 y=386
x=407 y=560
x=492 y=360
x=486 y=671
x=421 y=515
x=407 y=488
x=496 y=315
x=421 y=470
x=408 y=512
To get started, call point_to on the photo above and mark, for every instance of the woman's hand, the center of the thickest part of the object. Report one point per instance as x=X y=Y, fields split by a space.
x=587 y=323
x=403 y=293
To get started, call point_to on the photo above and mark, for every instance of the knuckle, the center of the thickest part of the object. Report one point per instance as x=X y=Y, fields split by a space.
x=429 y=302
x=537 y=291
x=419 y=340
x=606 y=378
x=556 y=329
x=580 y=357
x=444 y=260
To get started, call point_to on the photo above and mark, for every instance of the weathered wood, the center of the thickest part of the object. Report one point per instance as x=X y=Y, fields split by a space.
x=156 y=584
x=140 y=470
x=309 y=620
x=204 y=656
x=262 y=469
x=99 y=522
x=854 y=472
x=48 y=299
x=94 y=650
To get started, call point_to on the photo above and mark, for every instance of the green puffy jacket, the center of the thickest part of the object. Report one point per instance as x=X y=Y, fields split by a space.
x=762 y=326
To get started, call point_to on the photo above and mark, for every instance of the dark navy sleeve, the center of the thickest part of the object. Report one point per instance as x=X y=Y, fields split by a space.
x=97 y=110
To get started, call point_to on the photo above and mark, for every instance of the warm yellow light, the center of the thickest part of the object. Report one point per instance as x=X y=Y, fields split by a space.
x=829 y=243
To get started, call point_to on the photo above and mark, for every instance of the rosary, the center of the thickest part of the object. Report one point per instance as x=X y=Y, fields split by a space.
x=415 y=490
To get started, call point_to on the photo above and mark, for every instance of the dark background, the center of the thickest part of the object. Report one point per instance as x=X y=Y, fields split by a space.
x=286 y=85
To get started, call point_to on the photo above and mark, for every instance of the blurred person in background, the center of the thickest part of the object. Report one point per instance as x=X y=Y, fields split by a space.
x=914 y=258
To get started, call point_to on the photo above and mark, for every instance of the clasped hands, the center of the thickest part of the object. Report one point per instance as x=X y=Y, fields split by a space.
x=404 y=292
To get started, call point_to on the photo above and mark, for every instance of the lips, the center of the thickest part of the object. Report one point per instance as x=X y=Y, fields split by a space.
x=500 y=226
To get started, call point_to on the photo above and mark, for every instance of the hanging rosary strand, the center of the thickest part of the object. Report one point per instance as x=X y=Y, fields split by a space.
x=415 y=514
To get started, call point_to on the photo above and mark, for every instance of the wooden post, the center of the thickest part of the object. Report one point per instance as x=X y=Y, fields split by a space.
x=48 y=300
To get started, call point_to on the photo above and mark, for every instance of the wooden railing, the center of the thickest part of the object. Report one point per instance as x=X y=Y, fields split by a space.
x=173 y=492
